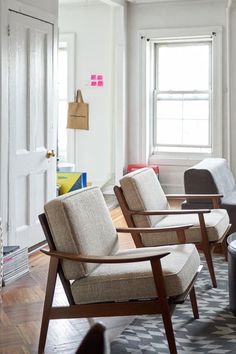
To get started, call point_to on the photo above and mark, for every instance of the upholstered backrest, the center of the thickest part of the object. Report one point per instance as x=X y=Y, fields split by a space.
x=212 y=175
x=143 y=191
x=80 y=223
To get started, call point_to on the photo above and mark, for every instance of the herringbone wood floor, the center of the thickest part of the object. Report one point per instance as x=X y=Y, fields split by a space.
x=22 y=304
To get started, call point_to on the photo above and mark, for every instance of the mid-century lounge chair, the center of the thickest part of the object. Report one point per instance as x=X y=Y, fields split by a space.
x=144 y=204
x=98 y=279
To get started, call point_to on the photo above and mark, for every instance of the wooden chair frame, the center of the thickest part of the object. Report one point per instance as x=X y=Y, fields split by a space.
x=159 y=305
x=205 y=245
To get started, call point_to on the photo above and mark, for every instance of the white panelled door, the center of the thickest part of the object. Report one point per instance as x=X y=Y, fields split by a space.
x=31 y=132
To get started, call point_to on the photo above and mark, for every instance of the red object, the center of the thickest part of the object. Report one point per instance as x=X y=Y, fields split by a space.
x=137 y=166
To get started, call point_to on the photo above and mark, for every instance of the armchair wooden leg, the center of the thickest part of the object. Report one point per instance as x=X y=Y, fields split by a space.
x=51 y=282
x=208 y=256
x=166 y=316
x=166 y=309
x=194 y=303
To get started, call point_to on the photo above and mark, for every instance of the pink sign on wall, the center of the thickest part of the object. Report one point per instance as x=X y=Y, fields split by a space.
x=96 y=80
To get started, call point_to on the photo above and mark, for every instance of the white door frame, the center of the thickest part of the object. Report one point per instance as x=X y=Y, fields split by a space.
x=5 y=6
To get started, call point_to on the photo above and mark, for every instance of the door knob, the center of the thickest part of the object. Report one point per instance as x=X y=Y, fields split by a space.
x=50 y=153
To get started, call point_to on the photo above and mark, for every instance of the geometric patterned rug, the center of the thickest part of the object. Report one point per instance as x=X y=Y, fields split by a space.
x=214 y=332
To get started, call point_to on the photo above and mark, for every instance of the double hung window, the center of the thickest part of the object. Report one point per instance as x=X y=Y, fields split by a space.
x=183 y=95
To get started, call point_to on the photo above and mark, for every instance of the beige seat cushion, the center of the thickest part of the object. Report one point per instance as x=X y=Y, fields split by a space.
x=217 y=223
x=111 y=282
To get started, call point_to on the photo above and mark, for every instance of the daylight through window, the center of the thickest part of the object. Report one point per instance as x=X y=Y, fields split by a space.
x=182 y=95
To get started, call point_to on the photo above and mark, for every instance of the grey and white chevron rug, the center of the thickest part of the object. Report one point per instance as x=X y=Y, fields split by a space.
x=214 y=332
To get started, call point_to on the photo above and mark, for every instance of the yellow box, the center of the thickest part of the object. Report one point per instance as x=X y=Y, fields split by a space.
x=71 y=181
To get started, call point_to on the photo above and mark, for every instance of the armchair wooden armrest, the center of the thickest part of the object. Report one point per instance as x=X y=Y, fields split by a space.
x=106 y=259
x=193 y=196
x=215 y=198
x=180 y=233
x=144 y=230
x=170 y=212
x=153 y=229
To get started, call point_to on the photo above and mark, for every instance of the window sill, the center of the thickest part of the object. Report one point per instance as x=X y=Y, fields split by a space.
x=177 y=160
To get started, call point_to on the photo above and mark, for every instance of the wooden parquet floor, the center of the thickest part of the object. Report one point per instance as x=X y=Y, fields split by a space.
x=22 y=304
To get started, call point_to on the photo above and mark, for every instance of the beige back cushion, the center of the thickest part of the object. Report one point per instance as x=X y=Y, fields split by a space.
x=143 y=191
x=80 y=223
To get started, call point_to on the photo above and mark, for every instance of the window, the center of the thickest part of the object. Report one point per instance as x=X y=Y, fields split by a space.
x=66 y=69
x=183 y=96
x=181 y=93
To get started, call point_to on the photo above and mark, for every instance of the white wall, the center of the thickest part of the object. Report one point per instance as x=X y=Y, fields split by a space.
x=93 y=27
x=166 y=15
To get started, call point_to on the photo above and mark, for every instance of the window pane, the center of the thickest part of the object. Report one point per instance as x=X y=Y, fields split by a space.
x=195 y=132
x=183 y=67
x=169 y=109
x=196 y=110
x=169 y=131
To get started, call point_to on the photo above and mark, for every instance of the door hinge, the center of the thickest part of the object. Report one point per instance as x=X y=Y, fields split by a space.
x=8 y=30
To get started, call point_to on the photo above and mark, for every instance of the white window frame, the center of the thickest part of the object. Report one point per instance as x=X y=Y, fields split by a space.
x=147 y=83
x=69 y=38
x=157 y=91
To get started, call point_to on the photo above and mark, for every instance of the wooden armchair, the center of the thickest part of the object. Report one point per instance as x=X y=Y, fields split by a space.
x=144 y=204
x=98 y=279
